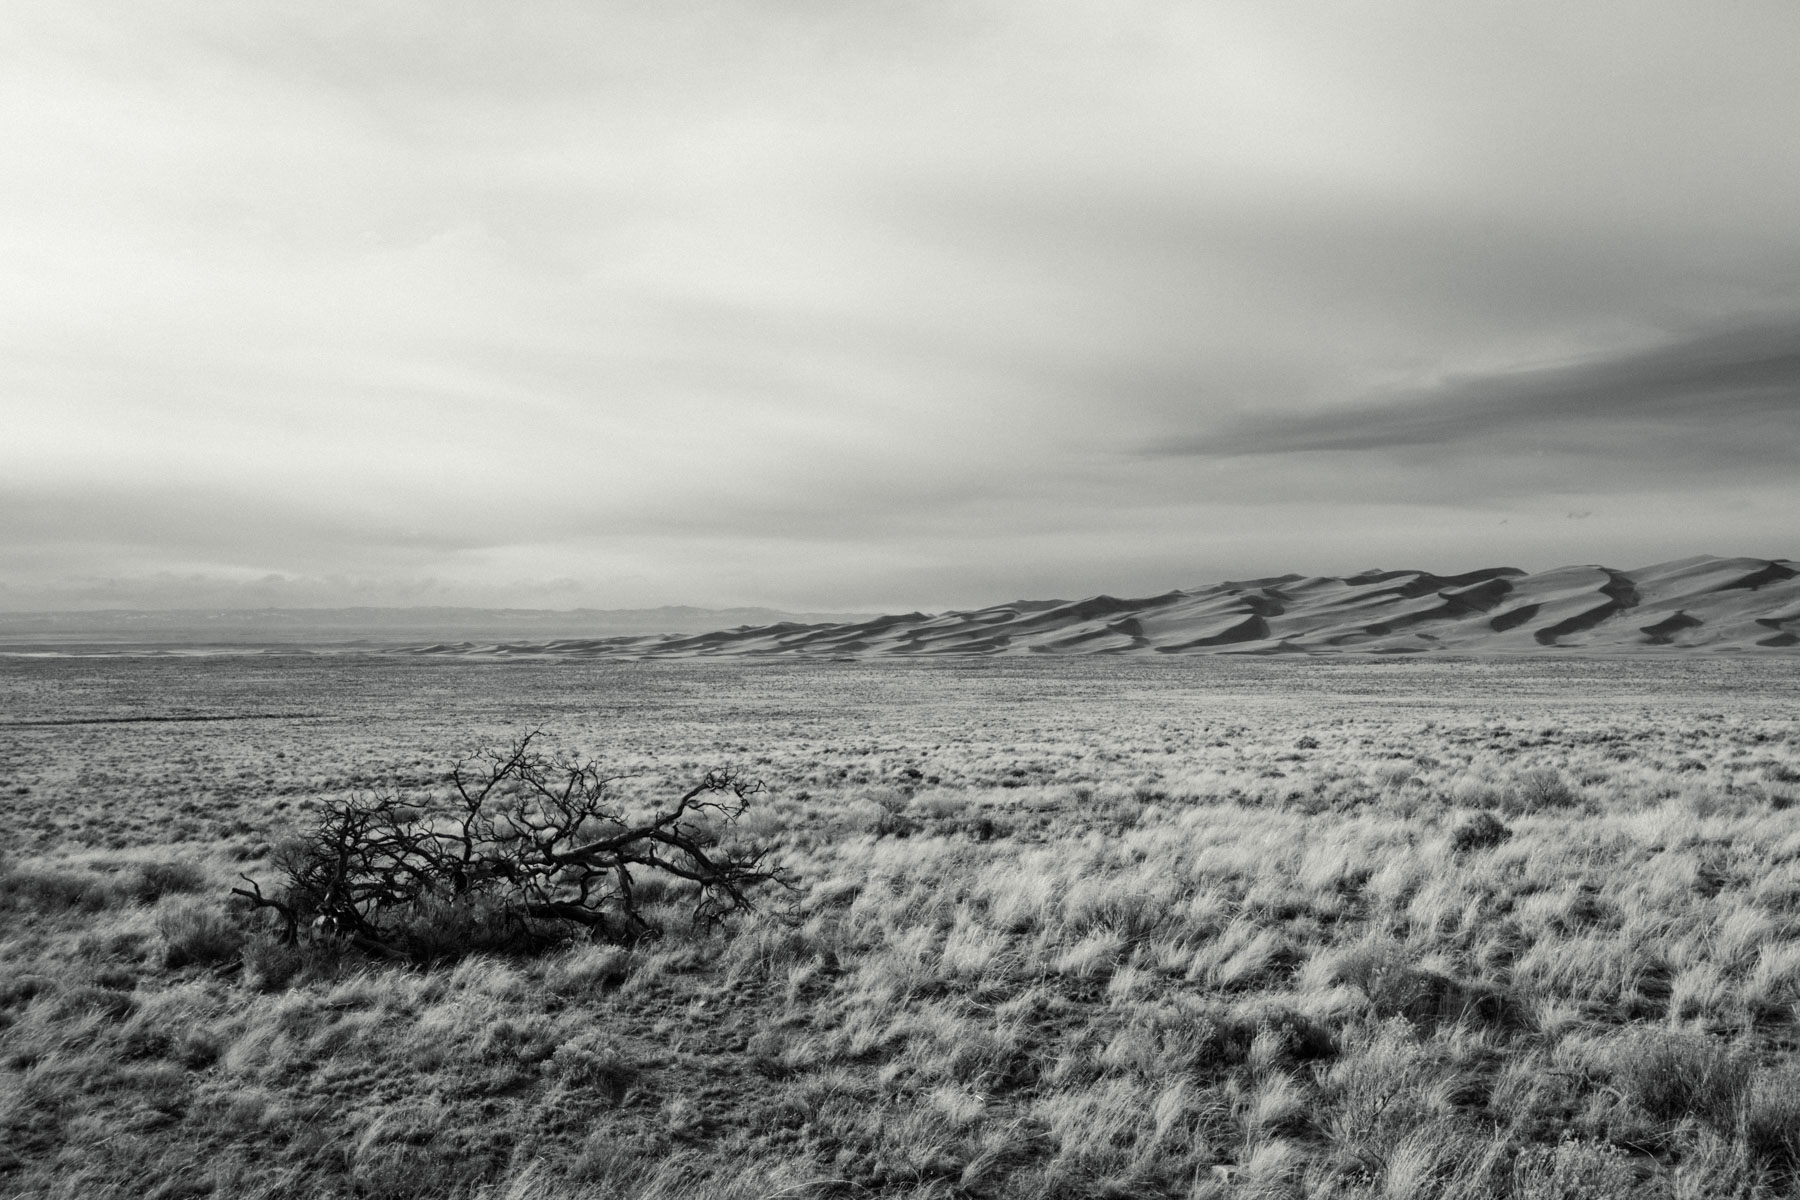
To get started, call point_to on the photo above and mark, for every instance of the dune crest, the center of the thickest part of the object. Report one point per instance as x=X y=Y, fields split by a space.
x=1703 y=603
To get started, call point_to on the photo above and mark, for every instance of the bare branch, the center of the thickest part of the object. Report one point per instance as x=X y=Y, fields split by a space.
x=509 y=856
x=289 y=918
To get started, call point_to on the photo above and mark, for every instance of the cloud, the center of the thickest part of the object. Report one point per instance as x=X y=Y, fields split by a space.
x=758 y=301
x=1729 y=400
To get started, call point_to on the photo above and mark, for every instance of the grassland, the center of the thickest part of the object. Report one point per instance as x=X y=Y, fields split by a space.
x=1079 y=928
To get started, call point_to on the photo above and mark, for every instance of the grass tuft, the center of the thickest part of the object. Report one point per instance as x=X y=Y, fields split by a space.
x=197 y=933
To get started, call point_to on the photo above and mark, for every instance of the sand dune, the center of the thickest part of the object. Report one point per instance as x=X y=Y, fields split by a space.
x=1704 y=603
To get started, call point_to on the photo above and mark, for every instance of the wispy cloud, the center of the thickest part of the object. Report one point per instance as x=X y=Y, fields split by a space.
x=1731 y=399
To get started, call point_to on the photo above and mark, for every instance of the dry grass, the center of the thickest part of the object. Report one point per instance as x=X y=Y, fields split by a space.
x=1070 y=929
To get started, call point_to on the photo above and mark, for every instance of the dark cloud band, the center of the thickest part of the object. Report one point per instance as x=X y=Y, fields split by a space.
x=1712 y=387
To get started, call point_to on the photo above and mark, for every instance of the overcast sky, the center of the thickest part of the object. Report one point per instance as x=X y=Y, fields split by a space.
x=884 y=305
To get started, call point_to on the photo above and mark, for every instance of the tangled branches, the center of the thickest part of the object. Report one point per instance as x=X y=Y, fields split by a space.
x=520 y=849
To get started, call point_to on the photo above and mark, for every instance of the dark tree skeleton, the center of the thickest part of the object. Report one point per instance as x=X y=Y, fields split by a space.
x=521 y=847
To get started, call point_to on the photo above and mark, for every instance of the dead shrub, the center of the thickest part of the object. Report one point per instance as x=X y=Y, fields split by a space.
x=522 y=850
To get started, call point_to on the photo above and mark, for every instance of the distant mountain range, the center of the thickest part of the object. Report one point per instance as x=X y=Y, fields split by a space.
x=380 y=626
x=1705 y=603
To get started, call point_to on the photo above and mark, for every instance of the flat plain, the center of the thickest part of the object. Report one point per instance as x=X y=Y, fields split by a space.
x=1080 y=927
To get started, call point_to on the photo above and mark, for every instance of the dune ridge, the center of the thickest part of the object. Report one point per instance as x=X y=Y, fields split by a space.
x=1701 y=603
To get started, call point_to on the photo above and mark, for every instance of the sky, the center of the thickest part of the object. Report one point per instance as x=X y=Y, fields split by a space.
x=866 y=306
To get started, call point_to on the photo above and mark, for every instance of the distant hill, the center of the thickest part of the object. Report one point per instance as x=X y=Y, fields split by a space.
x=1705 y=603
x=377 y=626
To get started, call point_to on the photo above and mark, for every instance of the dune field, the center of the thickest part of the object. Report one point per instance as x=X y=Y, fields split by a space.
x=1711 y=603
x=1076 y=926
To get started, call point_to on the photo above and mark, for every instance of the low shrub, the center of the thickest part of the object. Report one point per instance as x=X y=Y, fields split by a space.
x=883 y=812
x=525 y=1040
x=1473 y=791
x=1574 y=1170
x=47 y=890
x=1395 y=774
x=939 y=804
x=1295 y=1037
x=982 y=828
x=1396 y=987
x=1483 y=831
x=196 y=1049
x=1673 y=1075
x=272 y=963
x=154 y=880
x=197 y=934
x=1771 y=1124
x=88 y=998
x=1542 y=789
x=593 y=1063
x=590 y=969
x=22 y=990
